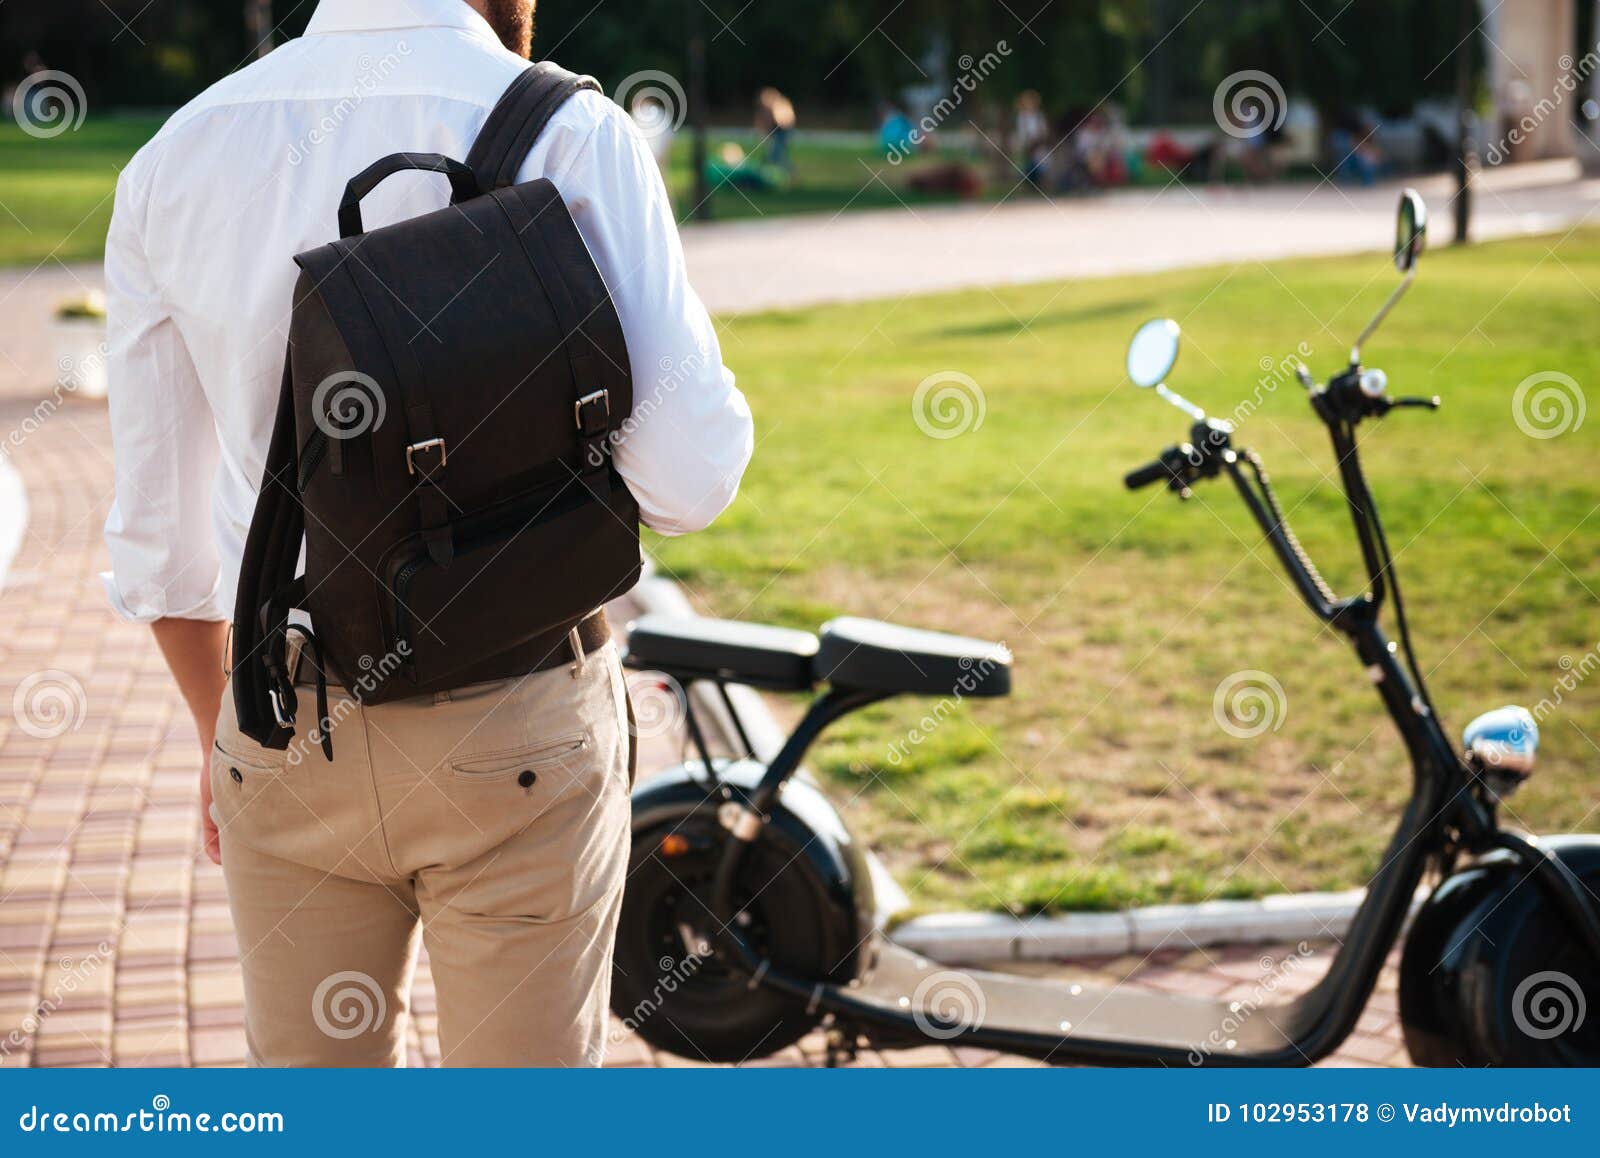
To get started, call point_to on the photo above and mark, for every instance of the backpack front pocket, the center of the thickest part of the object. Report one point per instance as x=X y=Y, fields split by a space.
x=518 y=570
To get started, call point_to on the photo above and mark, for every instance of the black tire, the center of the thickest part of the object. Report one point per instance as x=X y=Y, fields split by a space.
x=1542 y=1007
x=697 y=1006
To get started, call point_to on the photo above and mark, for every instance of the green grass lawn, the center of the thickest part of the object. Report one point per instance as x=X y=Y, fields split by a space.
x=830 y=176
x=55 y=195
x=1105 y=780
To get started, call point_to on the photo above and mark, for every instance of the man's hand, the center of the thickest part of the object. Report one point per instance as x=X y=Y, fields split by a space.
x=194 y=651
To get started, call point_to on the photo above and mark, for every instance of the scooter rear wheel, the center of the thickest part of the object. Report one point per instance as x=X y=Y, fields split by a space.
x=1494 y=973
x=1536 y=1011
x=675 y=995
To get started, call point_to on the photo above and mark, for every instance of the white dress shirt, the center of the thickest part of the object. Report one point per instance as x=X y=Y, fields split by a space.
x=199 y=279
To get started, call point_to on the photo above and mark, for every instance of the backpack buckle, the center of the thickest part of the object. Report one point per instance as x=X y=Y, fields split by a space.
x=425 y=444
x=282 y=712
x=592 y=412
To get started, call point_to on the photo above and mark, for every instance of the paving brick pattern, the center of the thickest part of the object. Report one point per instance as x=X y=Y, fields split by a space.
x=116 y=946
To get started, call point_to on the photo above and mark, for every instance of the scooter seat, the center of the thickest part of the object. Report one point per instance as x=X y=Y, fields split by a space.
x=687 y=648
x=884 y=657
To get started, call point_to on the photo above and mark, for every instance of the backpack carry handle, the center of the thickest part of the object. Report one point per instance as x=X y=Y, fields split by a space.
x=463 y=183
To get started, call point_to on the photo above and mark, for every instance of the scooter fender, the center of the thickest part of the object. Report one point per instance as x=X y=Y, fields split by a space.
x=1488 y=958
x=810 y=833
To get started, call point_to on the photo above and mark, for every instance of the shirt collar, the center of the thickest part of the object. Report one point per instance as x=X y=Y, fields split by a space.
x=372 y=15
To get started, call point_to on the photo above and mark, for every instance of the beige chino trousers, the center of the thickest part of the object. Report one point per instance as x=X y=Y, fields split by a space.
x=491 y=822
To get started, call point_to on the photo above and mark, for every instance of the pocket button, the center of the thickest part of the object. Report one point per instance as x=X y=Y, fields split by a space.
x=238 y=776
x=527 y=778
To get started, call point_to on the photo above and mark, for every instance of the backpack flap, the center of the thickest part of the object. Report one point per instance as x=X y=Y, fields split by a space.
x=498 y=372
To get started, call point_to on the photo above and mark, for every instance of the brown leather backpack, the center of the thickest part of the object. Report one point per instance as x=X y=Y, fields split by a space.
x=449 y=394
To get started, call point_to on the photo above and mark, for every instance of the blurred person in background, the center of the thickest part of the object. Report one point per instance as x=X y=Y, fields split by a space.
x=1030 y=135
x=896 y=133
x=1357 y=155
x=775 y=125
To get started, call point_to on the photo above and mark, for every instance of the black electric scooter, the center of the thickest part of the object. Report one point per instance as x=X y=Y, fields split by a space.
x=749 y=912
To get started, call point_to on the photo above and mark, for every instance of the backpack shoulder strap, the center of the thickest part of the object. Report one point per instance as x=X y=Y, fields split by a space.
x=266 y=581
x=517 y=119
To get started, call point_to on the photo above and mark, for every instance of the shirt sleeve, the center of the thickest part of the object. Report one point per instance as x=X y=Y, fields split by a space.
x=164 y=561
x=685 y=447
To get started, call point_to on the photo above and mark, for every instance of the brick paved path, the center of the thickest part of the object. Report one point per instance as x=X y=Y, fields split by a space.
x=115 y=941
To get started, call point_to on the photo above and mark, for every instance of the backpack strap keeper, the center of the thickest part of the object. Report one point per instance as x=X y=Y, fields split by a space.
x=592 y=413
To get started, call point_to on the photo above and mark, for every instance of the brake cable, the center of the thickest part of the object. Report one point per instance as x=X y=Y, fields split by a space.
x=1282 y=522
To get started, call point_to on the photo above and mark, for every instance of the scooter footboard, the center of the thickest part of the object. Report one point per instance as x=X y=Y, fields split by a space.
x=1064 y=1022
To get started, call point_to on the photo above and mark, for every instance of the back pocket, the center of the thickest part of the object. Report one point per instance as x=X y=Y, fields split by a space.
x=521 y=763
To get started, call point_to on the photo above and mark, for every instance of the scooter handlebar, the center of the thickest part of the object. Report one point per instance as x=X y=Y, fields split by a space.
x=1161 y=470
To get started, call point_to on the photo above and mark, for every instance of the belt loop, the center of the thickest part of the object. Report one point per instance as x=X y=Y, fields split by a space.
x=575 y=641
x=293 y=653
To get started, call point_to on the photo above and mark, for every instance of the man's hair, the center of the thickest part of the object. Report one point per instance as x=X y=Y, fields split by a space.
x=512 y=21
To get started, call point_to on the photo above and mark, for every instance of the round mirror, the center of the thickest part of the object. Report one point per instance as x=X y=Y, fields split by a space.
x=1411 y=231
x=1153 y=351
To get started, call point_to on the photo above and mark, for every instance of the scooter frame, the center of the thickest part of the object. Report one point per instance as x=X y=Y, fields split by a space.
x=1447 y=815
x=1451 y=812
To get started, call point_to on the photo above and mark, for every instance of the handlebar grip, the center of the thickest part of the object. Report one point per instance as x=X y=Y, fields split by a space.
x=1153 y=472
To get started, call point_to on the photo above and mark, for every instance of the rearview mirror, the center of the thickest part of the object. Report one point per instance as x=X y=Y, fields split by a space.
x=1153 y=351
x=1411 y=231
